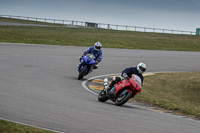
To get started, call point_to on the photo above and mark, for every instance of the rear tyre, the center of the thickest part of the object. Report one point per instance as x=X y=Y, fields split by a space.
x=82 y=73
x=102 y=97
x=122 y=98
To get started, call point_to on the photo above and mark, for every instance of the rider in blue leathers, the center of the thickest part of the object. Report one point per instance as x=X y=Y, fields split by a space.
x=96 y=51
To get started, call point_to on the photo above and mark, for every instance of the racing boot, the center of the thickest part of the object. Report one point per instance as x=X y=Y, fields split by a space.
x=106 y=86
x=95 y=66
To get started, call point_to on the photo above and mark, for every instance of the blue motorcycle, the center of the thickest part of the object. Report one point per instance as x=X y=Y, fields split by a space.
x=86 y=65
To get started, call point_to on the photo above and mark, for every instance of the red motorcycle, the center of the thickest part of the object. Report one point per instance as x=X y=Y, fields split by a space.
x=121 y=92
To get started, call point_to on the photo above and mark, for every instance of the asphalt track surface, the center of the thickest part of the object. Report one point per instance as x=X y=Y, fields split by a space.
x=39 y=87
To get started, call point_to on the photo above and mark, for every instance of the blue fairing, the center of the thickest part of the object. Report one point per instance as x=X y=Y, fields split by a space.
x=92 y=62
x=89 y=61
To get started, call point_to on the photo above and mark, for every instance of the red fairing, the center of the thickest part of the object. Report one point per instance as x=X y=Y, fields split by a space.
x=132 y=84
x=135 y=84
x=121 y=85
x=138 y=89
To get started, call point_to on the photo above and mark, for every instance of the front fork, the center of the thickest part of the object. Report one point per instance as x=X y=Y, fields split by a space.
x=111 y=93
x=79 y=66
x=88 y=71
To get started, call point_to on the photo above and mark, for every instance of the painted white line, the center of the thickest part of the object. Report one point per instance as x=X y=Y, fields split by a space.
x=84 y=86
x=103 y=76
x=30 y=125
x=84 y=82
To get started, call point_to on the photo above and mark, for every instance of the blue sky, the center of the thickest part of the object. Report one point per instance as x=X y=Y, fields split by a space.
x=167 y=14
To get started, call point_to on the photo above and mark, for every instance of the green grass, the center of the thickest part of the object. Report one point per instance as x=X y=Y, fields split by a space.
x=179 y=92
x=88 y=36
x=10 y=127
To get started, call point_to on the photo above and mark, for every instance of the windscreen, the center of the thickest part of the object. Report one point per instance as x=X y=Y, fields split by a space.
x=138 y=79
x=90 y=56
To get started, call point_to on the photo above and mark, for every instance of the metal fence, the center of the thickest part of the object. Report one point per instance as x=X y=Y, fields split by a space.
x=102 y=25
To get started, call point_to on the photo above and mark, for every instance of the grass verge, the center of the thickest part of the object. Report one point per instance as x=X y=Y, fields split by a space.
x=10 y=127
x=179 y=92
x=88 y=36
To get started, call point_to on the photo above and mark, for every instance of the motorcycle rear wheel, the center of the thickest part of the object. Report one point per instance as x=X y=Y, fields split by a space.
x=82 y=73
x=122 y=98
x=102 y=97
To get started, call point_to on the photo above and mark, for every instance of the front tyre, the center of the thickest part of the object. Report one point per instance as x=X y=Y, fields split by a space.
x=82 y=73
x=102 y=97
x=122 y=98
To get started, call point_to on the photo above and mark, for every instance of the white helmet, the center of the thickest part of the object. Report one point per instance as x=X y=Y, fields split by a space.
x=97 y=46
x=141 y=67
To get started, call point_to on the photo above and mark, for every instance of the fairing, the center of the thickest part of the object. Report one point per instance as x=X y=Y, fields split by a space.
x=87 y=60
x=131 y=85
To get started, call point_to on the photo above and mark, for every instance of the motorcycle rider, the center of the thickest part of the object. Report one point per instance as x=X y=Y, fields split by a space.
x=96 y=51
x=126 y=73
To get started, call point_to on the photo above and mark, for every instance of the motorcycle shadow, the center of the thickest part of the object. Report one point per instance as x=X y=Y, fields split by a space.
x=129 y=105
x=75 y=78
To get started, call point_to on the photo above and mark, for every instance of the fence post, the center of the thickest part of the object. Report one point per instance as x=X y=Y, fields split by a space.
x=197 y=31
x=108 y=26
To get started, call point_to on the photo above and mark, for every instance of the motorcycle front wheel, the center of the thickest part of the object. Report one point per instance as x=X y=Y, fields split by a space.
x=82 y=73
x=122 y=98
x=102 y=97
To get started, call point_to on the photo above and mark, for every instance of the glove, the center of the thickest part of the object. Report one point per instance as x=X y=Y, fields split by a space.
x=96 y=62
x=80 y=58
x=125 y=75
